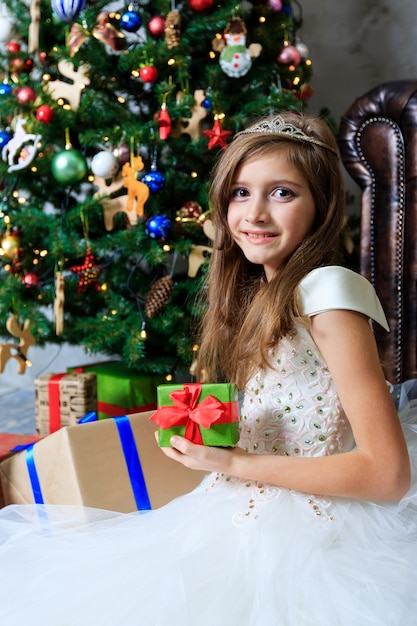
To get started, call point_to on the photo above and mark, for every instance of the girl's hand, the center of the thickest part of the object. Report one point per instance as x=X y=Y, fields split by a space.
x=198 y=457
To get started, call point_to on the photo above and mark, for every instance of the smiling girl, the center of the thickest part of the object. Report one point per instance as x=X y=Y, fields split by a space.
x=311 y=520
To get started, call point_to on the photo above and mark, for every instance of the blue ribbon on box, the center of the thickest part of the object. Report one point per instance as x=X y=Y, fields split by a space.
x=134 y=467
x=33 y=475
x=32 y=471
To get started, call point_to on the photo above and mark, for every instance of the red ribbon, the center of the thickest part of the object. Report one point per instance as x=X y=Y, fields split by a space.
x=54 y=402
x=187 y=412
x=115 y=410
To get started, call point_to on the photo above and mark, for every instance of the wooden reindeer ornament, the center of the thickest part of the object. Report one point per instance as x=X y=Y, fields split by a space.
x=191 y=125
x=199 y=254
x=17 y=351
x=112 y=205
x=66 y=91
x=137 y=192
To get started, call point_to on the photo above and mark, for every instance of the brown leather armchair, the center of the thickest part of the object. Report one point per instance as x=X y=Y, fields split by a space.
x=378 y=146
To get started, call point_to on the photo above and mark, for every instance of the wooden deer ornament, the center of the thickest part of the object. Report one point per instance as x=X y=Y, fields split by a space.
x=199 y=254
x=191 y=125
x=111 y=205
x=70 y=92
x=137 y=192
x=16 y=351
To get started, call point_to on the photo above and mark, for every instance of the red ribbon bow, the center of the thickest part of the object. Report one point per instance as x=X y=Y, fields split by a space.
x=187 y=411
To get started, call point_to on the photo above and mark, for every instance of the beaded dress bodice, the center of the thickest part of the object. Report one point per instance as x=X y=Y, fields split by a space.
x=293 y=407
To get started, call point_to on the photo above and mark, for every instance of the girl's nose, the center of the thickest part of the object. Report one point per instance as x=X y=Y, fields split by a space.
x=256 y=212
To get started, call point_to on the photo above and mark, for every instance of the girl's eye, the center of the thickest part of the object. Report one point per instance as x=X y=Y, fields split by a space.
x=283 y=192
x=239 y=192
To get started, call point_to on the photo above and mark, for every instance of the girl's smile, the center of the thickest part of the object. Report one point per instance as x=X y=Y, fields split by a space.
x=271 y=210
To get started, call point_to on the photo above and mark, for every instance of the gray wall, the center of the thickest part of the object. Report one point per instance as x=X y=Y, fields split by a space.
x=356 y=45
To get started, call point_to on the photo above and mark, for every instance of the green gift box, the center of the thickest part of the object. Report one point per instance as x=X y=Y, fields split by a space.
x=206 y=414
x=122 y=390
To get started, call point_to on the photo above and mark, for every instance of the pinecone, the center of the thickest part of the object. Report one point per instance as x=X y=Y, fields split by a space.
x=173 y=29
x=158 y=296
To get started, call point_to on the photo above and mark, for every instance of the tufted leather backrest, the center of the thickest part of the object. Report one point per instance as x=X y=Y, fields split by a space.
x=378 y=146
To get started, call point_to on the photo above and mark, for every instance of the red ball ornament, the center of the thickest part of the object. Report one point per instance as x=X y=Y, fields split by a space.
x=304 y=93
x=25 y=95
x=122 y=153
x=148 y=73
x=45 y=114
x=21 y=66
x=289 y=55
x=31 y=280
x=156 y=26
x=276 y=5
x=13 y=47
x=199 y=6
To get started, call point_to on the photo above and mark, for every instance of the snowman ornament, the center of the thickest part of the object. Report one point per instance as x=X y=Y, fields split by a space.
x=235 y=56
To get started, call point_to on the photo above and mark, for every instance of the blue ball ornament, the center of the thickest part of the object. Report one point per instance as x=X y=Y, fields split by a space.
x=158 y=227
x=5 y=137
x=130 y=21
x=155 y=180
x=67 y=10
x=206 y=104
x=5 y=89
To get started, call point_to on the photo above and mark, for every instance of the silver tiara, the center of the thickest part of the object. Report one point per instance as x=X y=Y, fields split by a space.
x=278 y=126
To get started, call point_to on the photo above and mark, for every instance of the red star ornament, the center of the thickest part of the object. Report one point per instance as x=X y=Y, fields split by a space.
x=88 y=272
x=217 y=136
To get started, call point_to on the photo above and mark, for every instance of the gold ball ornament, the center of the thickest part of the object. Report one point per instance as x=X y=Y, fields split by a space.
x=10 y=245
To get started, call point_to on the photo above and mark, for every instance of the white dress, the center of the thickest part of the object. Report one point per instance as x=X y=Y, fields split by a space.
x=233 y=551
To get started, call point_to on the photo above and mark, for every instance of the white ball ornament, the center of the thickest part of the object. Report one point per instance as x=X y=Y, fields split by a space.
x=104 y=164
x=6 y=27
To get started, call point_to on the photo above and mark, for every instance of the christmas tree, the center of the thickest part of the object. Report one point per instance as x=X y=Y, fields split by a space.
x=112 y=116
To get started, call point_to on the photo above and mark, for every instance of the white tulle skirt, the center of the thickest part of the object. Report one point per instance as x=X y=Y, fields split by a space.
x=231 y=552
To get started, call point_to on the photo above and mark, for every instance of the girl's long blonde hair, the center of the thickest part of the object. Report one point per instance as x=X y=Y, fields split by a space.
x=246 y=316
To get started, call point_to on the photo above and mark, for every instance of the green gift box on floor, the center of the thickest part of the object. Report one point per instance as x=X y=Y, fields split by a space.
x=207 y=414
x=121 y=390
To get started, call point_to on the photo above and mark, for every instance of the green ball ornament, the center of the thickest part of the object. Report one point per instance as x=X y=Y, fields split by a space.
x=69 y=166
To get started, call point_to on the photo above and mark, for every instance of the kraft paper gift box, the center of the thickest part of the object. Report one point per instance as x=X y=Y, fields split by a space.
x=206 y=414
x=120 y=389
x=113 y=464
x=63 y=399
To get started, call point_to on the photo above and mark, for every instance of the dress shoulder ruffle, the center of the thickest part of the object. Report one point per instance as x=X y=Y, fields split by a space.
x=334 y=287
